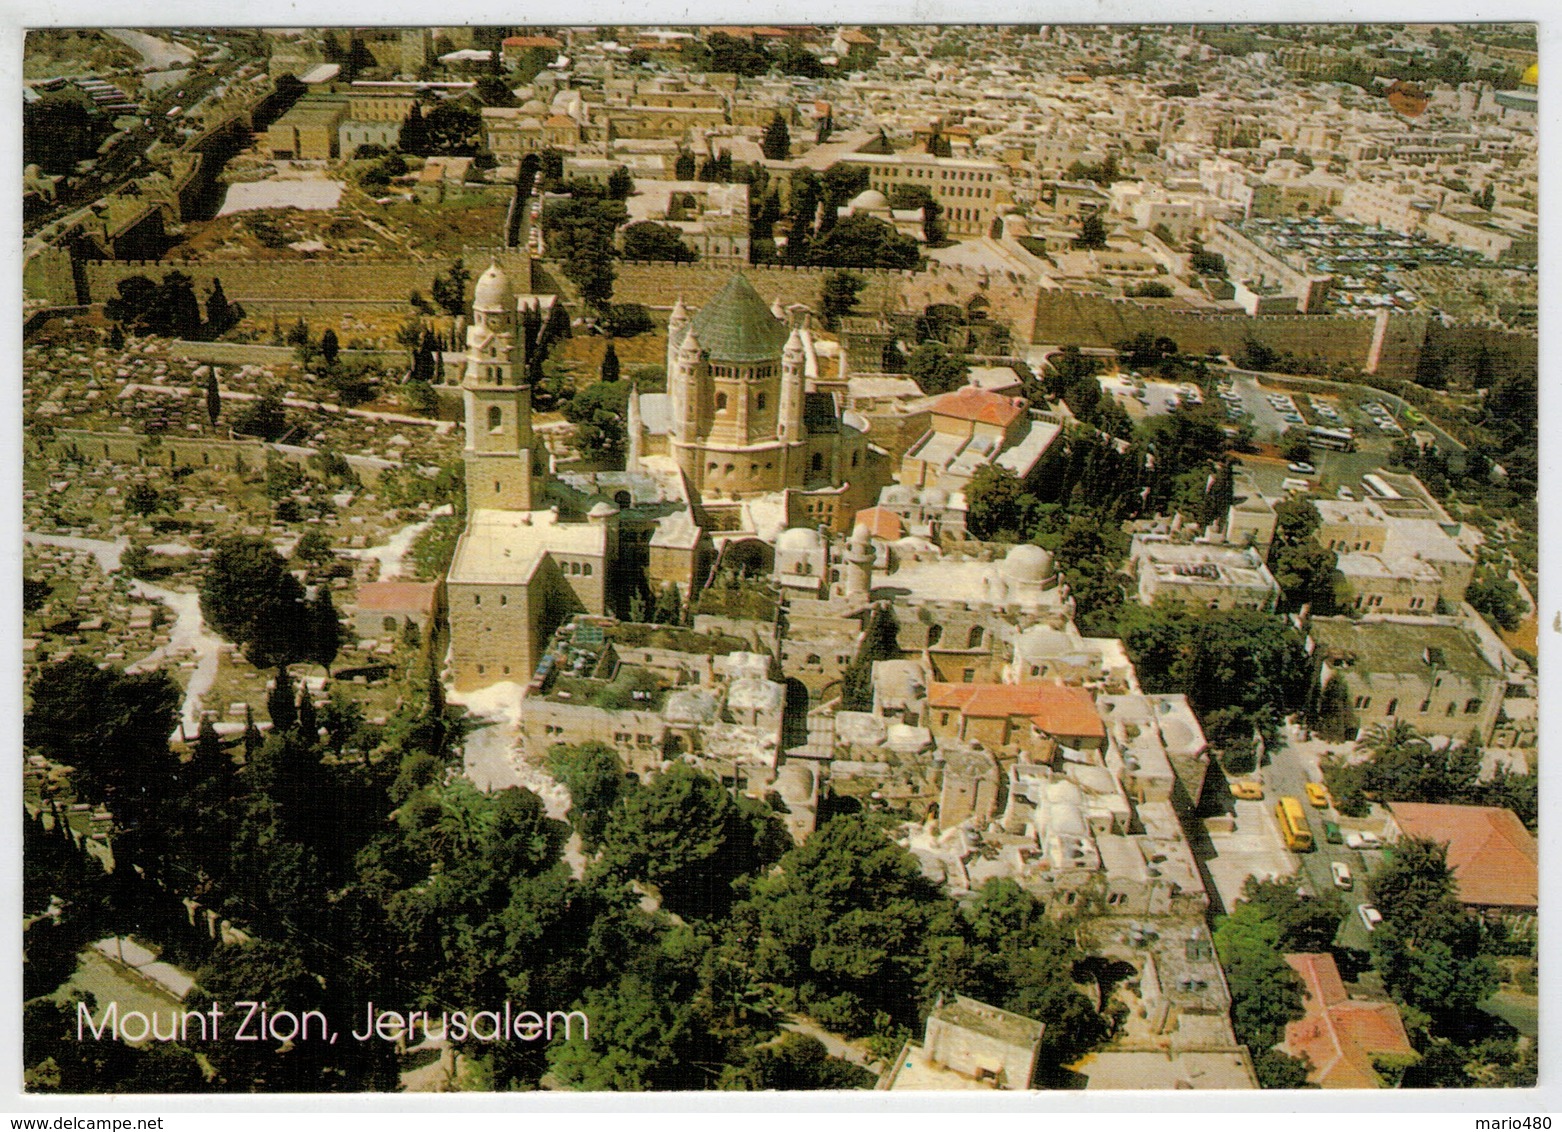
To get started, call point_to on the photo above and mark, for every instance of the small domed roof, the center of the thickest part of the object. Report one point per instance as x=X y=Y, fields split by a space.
x=493 y=291
x=868 y=200
x=602 y=510
x=935 y=497
x=798 y=540
x=1027 y=563
x=898 y=494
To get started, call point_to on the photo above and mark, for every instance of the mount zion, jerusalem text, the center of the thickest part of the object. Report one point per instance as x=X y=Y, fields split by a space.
x=248 y=1021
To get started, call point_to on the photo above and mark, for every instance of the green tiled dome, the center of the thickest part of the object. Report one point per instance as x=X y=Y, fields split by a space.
x=737 y=326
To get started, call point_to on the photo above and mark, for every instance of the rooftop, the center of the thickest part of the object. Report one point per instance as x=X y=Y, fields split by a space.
x=505 y=547
x=1492 y=856
x=968 y=403
x=1400 y=647
x=1055 y=708
x=737 y=325
x=1338 y=1035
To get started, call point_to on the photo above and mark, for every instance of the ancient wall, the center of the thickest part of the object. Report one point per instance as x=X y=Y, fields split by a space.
x=1067 y=318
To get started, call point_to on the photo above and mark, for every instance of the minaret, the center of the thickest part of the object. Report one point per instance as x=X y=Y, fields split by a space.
x=501 y=453
x=859 y=563
x=632 y=426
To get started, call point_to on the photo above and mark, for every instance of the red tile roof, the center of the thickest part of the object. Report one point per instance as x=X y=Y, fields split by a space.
x=881 y=524
x=520 y=41
x=397 y=597
x=968 y=403
x=1340 y=1035
x=1492 y=856
x=1055 y=708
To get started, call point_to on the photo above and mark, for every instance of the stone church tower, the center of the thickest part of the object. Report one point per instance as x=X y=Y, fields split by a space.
x=736 y=394
x=506 y=467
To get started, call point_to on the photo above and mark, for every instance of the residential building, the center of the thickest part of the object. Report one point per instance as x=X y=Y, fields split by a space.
x=968 y=1045
x=1493 y=858
x=1345 y=1041
x=1202 y=575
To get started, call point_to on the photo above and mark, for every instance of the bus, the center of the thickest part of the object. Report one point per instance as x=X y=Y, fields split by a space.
x=1293 y=825
x=1339 y=439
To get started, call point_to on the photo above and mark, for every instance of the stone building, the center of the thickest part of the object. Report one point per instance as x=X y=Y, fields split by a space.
x=968 y=1045
x=739 y=418
x=518 y=570
x=1203 y=575
x=1431 y=675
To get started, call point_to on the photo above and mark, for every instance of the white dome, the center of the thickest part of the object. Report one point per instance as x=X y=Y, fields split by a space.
x=897 y=494
x=1028 y=563
x=493 y=291
x=602 y=510
x=935 y=497
x=869 y=200
x=798 y=540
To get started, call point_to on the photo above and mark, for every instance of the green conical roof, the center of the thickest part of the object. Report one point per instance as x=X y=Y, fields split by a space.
x=737 y=326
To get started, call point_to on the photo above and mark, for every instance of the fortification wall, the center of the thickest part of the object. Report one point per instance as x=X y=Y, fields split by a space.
x=1067 y=318
x=249 y=353
x=660 y=284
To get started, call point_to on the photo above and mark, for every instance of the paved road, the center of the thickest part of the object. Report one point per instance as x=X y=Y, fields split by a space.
x=1287 y=773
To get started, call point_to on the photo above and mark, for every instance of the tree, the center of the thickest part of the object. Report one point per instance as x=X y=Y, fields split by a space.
x=413 y=137
x=777 y=142
x=597 y=783
x=669 y=606
x=221 y=315
x=648 y=240
x=494 y=91
x=281 y=703
x=453 y=130
x=250 y=598
x=263 y=417
x=1428 y=947
x=686 y=834
x=609 y=371
x=683 y=166
x=597 y=412
x=1000 y=507
x=143 y=499
x=838 y=296
x=861 y=240
x=330 y=348
x=213 y=397
x=1092 y=232
x=620 y=183
x=936 y=368
x=449 y=290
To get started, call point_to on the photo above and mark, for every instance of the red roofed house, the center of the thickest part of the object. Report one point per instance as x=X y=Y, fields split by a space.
x=881 y=523
x=384 y=608
x=515 y=44
x=1492 y=856
x=1000 y=715
x=1342 y=1036
x=967 y=429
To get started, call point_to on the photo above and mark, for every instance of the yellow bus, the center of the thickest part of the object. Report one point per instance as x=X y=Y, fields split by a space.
x=1318 y=795
x=1293 y=825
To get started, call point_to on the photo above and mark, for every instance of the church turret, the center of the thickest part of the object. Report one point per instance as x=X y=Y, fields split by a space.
x=794 y=359
x=686 y=374
x=501 y=453
x=677 y=323
x=633 y=427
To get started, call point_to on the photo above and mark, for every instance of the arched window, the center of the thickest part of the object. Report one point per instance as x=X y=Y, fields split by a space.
x=934 y=635
x=817 y=463
x=1393 y=706
x=975 y=639
x=495 y=418
x=721 y=401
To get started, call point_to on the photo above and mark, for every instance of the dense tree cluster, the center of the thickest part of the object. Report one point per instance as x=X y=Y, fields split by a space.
x=170 y=308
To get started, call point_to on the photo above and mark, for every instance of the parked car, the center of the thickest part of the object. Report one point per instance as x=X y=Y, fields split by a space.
x=1248 y=789
x=1342 y=877
x=1318 y=795
x=1370 y=917
x=1302 y=468
x=1363 y=840
x=1331 y=833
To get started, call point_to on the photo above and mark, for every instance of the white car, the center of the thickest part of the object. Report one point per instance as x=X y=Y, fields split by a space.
x=1370 y=917
x=1342 y=877
x=1302 y=468
x=1362 y=840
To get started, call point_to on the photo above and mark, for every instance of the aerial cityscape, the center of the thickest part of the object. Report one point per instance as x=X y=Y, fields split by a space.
x=780 y=558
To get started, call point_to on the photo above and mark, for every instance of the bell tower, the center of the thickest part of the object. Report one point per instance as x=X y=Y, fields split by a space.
x=505 y=468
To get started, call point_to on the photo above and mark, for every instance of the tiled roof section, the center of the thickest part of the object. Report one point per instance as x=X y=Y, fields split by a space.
x=396 y=597
x=523 y=41
x=1055 y=708
x=1339 y=1035
x=1492 y=856
x=881 y=524
x=737 y=326
x=968 y=403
